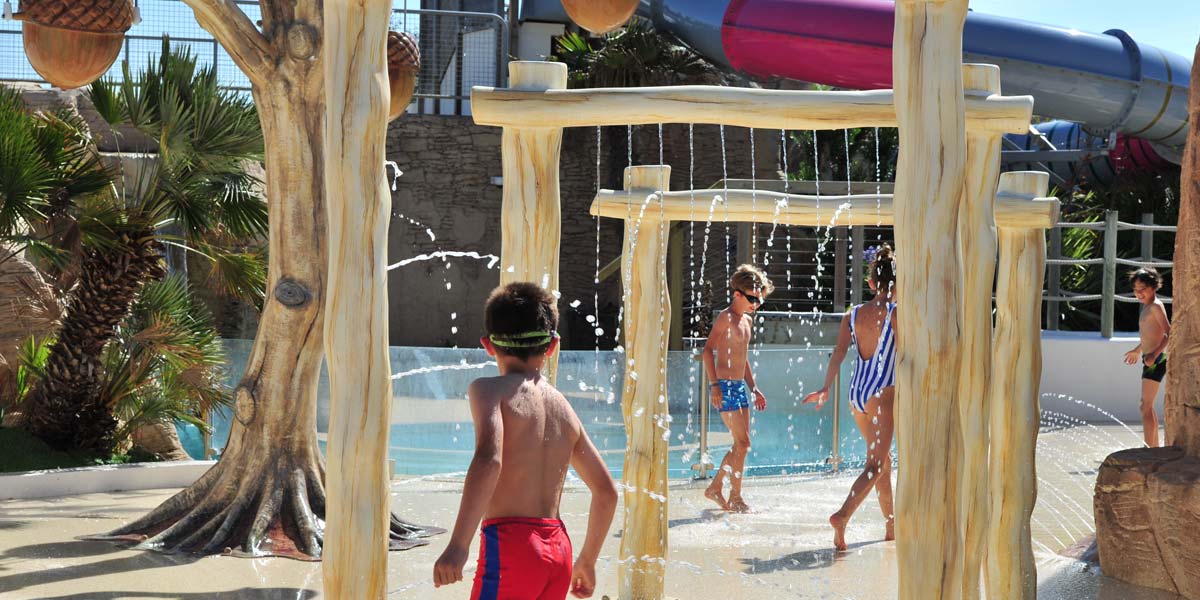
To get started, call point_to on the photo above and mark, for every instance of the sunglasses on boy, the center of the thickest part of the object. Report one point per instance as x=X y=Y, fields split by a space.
x=752 y=299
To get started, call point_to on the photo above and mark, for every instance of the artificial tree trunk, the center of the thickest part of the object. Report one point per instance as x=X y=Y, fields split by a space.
x=66 y=410
x=1181 y=409
x=266 y=495
x=1147 y=502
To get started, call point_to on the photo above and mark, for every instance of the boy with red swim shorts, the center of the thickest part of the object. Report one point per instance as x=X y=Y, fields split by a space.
x=526 y=436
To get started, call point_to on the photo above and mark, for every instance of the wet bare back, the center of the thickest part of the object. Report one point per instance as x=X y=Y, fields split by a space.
x=540 y=433
x=868 y=327
x=730 y=340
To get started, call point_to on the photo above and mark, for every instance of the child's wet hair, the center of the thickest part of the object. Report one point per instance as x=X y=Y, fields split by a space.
x=883 y=269
x=1148 y=276
x=749 y=278
x=521 y=308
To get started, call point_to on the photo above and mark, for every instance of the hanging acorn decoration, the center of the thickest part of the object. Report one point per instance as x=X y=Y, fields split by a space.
x=71 y=43
x=600 y=16
x=404 y=62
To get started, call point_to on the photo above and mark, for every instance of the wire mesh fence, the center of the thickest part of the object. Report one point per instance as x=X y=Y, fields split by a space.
x=459 y=49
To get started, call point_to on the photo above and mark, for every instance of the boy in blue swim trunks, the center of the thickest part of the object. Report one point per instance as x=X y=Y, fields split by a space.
x=732 y=380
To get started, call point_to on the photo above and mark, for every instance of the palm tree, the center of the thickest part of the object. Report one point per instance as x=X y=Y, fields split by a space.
x=635 y=55
x=198 y=186
x=163 y=364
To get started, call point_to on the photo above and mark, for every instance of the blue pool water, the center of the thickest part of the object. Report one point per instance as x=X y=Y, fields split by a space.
x=431 y=431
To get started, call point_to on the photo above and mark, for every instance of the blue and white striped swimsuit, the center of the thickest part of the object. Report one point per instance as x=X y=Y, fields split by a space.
x=872 y=375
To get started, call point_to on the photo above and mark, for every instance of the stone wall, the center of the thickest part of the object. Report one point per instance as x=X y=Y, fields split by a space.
x=449 y=167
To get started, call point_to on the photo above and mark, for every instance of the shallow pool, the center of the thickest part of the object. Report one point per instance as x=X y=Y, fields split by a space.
x=431 y=431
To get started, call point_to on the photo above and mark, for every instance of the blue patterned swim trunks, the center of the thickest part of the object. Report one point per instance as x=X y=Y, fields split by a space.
x=734 y=395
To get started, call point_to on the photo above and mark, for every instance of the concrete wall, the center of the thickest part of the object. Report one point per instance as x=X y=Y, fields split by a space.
x=108 y=478
x=1081 y=368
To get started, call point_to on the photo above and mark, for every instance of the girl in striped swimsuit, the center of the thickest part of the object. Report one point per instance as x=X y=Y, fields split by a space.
x=871 y=329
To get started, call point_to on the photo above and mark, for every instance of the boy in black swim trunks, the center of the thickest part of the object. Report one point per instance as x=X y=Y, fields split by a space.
x=1154 y=329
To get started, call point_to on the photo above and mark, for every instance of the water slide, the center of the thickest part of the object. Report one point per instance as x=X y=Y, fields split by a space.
x=1093 y=85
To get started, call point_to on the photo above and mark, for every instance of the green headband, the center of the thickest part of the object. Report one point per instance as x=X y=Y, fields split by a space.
x=529 y=339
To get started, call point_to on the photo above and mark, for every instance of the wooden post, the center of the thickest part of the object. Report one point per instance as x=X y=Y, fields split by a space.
x=977 y=249
x=928 y=80
x=530 y=221
x=358 y=207
x=644 y=400
x=840 y=250
x=1108 y=290
x=1014 y=421
x=1147 y=238
x=675 y=285
x=746 y=243
x=857 y=268
x=1054 y=280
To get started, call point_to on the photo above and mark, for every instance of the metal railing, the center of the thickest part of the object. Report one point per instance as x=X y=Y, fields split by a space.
x=460 y=49
x=1108 y=297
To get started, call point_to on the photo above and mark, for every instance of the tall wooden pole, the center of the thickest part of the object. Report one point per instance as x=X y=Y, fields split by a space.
x=643 y=400
x=928 y=80
x=530 y=221
x=358 y=207
x=977 y=250
x=1014 y=420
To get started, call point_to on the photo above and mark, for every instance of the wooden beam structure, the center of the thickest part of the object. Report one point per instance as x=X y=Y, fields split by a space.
x=1017 y=348
x=1011 y=210
x=358 y=208
x=720 y=105
x=530 y=214
x=930 y=175
x=643 y=399
x=945 y=209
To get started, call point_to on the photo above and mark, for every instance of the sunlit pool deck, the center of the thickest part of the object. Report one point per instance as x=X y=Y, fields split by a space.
x=781 y=550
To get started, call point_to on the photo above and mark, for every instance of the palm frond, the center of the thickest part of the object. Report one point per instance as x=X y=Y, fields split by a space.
x=165 y=361
x=34 y=354
x=108 y=101
x=240 y=209
x=242 y=275
x=35 y=247
x=100 y=222
x=26 y=177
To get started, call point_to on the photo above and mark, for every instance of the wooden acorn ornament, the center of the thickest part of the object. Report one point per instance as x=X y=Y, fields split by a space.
x=404 y=62
x=72 y=43
x=600 y=16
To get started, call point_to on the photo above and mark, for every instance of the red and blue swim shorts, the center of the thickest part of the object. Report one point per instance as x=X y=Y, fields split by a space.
x=523 y=559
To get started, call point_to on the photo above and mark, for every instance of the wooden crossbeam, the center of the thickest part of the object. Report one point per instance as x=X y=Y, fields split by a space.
x=1015 y=211
x=717 y=105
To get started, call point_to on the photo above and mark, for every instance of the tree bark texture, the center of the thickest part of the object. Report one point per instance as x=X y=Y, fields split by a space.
x=977 y=251
x=1181 y=410
x=66 y=409
x=1015 y=414
x=927 y=74
x=358 y=206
